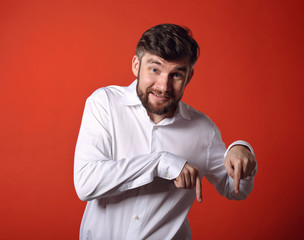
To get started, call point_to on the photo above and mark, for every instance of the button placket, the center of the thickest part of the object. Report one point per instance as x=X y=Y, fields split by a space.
x=139 y=212
x=142 y=200
x=155 y=139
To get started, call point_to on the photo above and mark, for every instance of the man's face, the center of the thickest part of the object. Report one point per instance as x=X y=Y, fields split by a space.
x=161 y=83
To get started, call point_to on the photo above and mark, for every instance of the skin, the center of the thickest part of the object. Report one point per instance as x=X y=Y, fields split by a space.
x=239 y=164
x=161 y=85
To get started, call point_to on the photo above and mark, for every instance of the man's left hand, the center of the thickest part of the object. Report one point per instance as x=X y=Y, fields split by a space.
x=239 y=164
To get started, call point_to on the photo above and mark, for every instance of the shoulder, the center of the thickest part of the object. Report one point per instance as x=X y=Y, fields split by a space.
x=195 y=115
x=106 y=95
x=199 y=120
x=109 y=91
x=199 y=126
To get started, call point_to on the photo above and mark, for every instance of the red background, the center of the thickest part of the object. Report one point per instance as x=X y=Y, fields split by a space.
x=249 y=80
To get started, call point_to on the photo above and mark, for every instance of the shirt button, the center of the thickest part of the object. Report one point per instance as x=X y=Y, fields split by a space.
x=168 y=175
x=137 y=217
x=155 y=127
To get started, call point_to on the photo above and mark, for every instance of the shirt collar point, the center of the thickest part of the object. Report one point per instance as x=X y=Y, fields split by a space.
x=130 y=97
x=183 y=110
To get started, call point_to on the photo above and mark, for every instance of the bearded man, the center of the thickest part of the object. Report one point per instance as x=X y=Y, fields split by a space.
x=142 y=152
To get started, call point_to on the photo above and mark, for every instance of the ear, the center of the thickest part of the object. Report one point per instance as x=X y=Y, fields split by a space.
x=190 y=76
x=135 y=65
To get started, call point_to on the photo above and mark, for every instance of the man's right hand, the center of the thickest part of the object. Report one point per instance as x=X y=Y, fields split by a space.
x=188 y=179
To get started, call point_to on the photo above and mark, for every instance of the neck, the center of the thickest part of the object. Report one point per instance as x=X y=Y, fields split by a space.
x=158 y=118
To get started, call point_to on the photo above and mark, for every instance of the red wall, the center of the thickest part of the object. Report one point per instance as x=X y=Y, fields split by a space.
x=249 y=80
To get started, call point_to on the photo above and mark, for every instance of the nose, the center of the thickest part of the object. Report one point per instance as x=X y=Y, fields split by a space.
x=164 y=83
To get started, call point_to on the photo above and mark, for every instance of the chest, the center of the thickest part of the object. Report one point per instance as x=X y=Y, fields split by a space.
x=133 y=133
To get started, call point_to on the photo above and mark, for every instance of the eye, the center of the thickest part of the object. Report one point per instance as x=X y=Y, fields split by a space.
x=177 y=75
x=153 y=69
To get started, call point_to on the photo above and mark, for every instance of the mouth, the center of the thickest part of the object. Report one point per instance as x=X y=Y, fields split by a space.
x=160 y=96
x=157 y=94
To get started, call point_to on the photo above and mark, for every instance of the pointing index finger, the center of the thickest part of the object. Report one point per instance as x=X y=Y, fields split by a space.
x=237 y=177
x=198 y=189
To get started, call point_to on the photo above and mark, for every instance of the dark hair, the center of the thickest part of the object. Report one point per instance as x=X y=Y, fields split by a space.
x=170 y=42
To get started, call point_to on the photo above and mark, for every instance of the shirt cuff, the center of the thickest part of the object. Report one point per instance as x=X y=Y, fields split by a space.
x=239 y=142
x=170 y=166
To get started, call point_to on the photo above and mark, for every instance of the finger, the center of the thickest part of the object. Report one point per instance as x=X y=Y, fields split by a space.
x=245 y=169
x=229 y=168
x=187 y=179
x=176 y=182
x=237 y=177
x=198 y=189
x=193 y=180
x=250 y=166
x=180 y=181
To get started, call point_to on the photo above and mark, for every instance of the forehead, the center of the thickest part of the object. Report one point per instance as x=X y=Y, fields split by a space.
x=149 y=58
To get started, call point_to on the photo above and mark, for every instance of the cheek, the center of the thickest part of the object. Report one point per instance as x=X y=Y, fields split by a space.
x=179 y=89
x=146 y=80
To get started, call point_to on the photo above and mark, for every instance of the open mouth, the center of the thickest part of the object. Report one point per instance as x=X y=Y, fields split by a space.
x=157 y=95
x=160 y=95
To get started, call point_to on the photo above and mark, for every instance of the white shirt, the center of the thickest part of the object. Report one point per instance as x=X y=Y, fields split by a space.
x=125 y=164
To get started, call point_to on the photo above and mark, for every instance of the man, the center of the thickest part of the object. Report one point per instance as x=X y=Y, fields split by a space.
x=141 y=152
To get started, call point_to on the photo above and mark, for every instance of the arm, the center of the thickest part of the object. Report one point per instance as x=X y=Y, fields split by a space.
x=240 y=162
x=217 y=173
x=97 y=174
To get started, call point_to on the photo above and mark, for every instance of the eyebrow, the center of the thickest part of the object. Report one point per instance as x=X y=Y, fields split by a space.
x=183 y=69
x=154 y=61
x=151 y=60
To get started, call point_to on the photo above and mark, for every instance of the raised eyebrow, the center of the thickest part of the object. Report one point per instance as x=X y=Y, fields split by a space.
x=153 y=61
x=182 y=69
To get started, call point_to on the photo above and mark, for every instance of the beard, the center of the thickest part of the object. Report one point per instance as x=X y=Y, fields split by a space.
x=160 y=108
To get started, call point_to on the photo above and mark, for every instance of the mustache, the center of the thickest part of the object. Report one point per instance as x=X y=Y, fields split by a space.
x=166 y=94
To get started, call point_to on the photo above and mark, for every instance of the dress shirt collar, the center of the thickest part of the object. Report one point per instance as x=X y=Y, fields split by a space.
x=130 y=98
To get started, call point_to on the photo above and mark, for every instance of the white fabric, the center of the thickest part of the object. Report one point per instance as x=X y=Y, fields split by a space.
x=124 y=166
